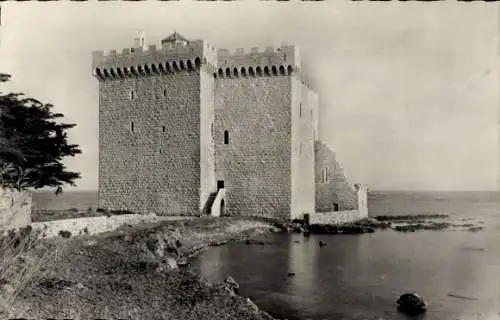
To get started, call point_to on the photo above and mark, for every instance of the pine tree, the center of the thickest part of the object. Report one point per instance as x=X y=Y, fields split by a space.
x=33 y=144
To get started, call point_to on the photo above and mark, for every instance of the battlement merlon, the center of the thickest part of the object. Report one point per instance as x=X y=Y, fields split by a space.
x=284 y=55
x=168 y=52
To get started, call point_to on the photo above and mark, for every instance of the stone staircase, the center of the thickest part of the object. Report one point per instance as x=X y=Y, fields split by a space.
x=208 y=204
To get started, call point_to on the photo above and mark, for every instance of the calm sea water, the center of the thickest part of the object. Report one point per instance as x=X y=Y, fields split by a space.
x=361 y=276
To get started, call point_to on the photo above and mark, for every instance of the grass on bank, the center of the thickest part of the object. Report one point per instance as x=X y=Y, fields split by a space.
x=24 y=261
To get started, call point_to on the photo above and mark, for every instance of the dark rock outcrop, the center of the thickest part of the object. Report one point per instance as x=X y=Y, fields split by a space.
x=411 y=303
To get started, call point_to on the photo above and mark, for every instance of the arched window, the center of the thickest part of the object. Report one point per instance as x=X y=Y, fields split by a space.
x=274 y=71
x=282 y=70
x=250 y=72
x=266 y=71
x=243 y=72
x=235 y=72
x=228 y=72
x=258 y=71
x=197 y=62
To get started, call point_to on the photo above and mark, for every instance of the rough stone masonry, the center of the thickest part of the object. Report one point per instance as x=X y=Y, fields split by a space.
x=181 y=122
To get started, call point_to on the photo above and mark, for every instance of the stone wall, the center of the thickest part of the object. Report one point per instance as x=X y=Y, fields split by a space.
x=345 y=216
x=207 y=139
x=332 y=187
x=302 y=161
x=94 y=225
x=255 y=164
x=156 y=166
x=15 y=210
x=338 y=217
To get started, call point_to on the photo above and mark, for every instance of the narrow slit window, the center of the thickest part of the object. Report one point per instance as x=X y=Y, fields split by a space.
x=132 y=94
x=300 y=109
x=226 y=137
x=163 y=128
x=132 y=126
x=165 y=93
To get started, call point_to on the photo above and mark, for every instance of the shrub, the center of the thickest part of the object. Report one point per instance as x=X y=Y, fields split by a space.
x=120 y=212
x=24 y=261
x=65 y=234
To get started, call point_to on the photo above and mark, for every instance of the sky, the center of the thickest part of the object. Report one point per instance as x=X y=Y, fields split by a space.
x=408 y=90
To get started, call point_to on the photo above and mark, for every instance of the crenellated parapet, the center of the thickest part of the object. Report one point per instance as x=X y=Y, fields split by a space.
x=169 y=58
x=177 y=54
x=258 y=62
x=286 y=55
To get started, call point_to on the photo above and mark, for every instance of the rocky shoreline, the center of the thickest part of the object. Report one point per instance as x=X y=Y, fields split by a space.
x=402 y=223
x=143 y=271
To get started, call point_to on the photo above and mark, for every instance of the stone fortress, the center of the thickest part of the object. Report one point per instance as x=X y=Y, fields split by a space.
x=189 y=129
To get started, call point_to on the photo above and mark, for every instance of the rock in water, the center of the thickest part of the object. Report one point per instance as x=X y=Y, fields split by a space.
x=411 y=303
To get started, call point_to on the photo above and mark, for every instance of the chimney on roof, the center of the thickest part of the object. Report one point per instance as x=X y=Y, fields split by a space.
x=140 y=40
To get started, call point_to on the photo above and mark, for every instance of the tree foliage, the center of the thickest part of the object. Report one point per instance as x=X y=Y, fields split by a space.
x=33 y=143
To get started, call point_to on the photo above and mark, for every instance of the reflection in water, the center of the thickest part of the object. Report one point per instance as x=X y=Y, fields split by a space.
x=302 y=263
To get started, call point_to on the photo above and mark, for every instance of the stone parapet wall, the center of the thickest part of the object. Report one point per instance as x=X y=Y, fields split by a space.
x=95 y=225
x=336 y=218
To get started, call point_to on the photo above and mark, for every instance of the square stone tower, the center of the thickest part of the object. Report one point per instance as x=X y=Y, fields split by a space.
x=265 y=127
x=156 y=149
